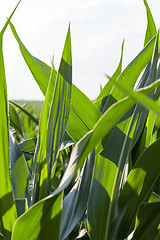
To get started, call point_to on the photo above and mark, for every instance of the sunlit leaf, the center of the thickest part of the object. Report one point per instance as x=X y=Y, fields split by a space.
x=53 y=123
x=7 y=209
x=151 y=28
x=102 y=98
x=44 y=215
x=14 y=120
x=83 y=114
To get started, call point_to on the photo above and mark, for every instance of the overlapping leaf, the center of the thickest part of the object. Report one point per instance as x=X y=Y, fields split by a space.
x=100 y=130
x=19 y=171
x=53 y=123
x=148 y=221
x=102 y=98
x=41 y=221
x=75 y=203
x=14 y=120
x=7 y=209
x=25 y=112
x=137 y=190
x=83 y=115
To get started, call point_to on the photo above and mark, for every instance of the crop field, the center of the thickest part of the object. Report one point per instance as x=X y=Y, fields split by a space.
x=34 y=106
x=72 y=168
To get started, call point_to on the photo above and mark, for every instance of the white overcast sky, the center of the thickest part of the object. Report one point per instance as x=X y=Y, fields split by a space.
x=98 y=28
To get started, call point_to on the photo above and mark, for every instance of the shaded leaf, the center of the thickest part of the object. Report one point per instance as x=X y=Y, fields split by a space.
x=75 y=203
x=137 y=190
x=148 y=221
x=19 y=171
x=93 y=138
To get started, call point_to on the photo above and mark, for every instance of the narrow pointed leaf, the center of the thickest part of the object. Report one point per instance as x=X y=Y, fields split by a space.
x=53 y=122
x=14 y=120
x=131 y=73
x=140 y=97
x=83 y=114
x=26 y=112
x=7 y=209
x=101 y=99
x=151 y=28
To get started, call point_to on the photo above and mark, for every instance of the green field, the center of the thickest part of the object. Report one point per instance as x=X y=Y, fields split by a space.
x=72 y=168
x=36 y=106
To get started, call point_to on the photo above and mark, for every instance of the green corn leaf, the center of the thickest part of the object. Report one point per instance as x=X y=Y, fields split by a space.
x=131 y=73
x=101 y=99
x=28 y=147
x=100 y=197
x=140 y=97
x=26 y=112
x=89 y=143
x=151 y=134
x=67 y=142
x=148 y=103
x=83 y=114
x=7 y=209
x=126 y=133
x=146 y=117
x=21 y=205
x=106 y=122
x=148 y=220
x=40 y=71
x=8 y=20
x=44 y=215
x=74 y=204
x=14 y=120
x=124 y=136
x=19 y=171
x=140 y=114
x=53 y=122
x=137 y=190
x=154 y=197
x=95 y=136
x=151 y=28
x=6 y=199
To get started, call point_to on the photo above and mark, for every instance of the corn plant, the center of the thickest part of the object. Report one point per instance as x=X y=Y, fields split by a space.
x=90 y=170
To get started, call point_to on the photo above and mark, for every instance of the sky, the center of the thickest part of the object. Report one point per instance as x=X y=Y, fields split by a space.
x=98 y=28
